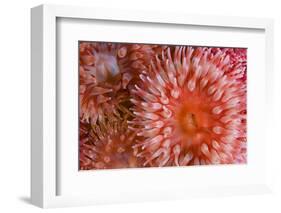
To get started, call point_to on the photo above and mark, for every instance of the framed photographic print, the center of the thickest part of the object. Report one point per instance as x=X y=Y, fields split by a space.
x=147 y=105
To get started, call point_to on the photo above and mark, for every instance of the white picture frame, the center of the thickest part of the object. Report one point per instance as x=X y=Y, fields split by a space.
x=45 y=157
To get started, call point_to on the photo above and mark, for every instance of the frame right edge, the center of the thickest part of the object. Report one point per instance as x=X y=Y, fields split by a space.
x=270 y=92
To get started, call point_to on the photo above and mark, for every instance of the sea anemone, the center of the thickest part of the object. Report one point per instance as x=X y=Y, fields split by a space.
x=190 y=108
x=237 y=62
x=100 y=81
x=106 y=70
x=107 y=145
x=136 y=58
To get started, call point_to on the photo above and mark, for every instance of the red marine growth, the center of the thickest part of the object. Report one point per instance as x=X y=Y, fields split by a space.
x=153 y=106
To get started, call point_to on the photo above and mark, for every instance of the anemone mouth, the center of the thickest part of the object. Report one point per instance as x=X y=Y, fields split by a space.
x=192 y=113
x=192 y=126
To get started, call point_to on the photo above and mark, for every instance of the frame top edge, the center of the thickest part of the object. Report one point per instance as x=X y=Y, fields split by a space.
x=154 y=16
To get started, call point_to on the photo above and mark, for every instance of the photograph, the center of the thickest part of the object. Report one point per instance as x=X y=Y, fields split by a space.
x=161 y=105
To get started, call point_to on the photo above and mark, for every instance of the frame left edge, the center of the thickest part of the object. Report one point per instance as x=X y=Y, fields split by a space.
x=37 y=106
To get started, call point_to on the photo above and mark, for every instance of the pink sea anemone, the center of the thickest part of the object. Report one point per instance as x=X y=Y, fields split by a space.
x=100 y=81
x=106 y=70
x=107 y=145
x=190 y=108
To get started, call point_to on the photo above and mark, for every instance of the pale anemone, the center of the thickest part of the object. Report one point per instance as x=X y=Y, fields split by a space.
x=107 y=145
x=106 y=71
x=190 y=108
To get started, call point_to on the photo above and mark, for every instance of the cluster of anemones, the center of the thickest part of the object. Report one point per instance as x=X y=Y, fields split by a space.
x=152 y=105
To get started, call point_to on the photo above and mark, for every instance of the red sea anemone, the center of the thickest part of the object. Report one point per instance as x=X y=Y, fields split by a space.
x=106 y=70
x=107 y=145
x=190 y=108
x=100 y=81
